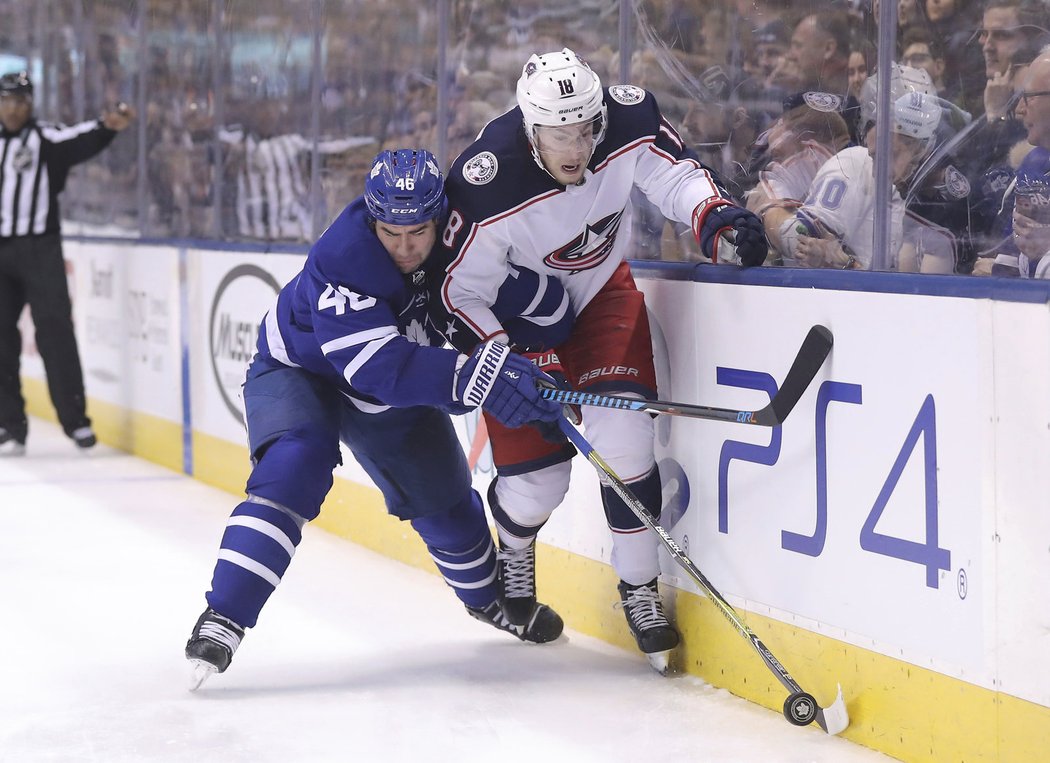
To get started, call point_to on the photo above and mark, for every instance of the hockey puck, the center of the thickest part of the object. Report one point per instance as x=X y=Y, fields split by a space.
x=800 y=708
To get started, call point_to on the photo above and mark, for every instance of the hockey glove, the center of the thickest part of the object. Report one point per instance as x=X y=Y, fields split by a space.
x=717 y=217
x=550 y=364
x=505 y=385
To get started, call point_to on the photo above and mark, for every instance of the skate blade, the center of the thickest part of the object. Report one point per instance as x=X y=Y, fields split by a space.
x=660 y=662
x=201 y=672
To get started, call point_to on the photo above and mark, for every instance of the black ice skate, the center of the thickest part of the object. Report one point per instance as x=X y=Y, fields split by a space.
x=84 y=437
x=11 y=445
x=645 y=615
x=211 y=646
x=542 y=625
x=517 y=577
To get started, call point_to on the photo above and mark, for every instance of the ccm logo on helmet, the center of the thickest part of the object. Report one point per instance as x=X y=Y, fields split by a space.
x=405 y=211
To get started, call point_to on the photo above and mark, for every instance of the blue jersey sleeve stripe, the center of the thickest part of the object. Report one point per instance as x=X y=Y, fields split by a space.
x=360 y=337
x=364 y=356
x=275 y=340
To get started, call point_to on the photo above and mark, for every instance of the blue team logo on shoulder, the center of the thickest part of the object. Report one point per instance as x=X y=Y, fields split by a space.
x=481 y=169
x=628 y=95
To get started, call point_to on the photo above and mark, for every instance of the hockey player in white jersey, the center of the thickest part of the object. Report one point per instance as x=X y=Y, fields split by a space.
x=547 y=186
x=349 y=354
x=834 y=228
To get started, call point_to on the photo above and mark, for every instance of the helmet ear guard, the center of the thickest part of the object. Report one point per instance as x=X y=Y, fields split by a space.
x=559 y=89
x=405 y=187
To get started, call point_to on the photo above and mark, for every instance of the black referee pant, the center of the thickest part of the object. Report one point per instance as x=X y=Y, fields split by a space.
x=33 y=271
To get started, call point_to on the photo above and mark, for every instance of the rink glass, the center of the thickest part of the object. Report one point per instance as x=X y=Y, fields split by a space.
x=328 y=69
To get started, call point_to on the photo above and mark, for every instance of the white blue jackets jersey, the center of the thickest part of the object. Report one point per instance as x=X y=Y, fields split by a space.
x=505 y=209
x=842 y=200
x=352 y=318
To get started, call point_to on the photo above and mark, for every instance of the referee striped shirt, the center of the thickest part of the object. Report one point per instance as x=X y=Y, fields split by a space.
x=34 y=165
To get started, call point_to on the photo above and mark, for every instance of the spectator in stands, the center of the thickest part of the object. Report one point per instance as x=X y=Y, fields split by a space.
x=910 y=15
x=1012 y=33
x=952 y=22
x=758 y=92
x=800 y=142
x=817 y=61
x=861 y=61
x=1031 y=215
x=1027 y=238
x=834 y=228
x=769 y=46
x=920 y=50
x=818 y=54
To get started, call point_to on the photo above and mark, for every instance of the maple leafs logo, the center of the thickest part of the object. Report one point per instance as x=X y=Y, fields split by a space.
x=588 y=250
x=416 y=332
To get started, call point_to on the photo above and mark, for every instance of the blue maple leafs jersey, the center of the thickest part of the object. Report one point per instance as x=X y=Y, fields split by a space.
x=352 y=318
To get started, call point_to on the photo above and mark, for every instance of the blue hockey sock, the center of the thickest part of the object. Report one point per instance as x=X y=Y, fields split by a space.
x=460 y=544
x=255 y=551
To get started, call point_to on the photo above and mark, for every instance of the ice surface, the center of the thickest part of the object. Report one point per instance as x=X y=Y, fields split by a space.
x=105 y=558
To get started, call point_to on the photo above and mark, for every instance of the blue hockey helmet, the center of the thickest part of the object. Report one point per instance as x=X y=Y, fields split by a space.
x=405 y=187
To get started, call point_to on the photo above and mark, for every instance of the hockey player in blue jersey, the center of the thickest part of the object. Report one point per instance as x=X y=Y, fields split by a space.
x=349 y=353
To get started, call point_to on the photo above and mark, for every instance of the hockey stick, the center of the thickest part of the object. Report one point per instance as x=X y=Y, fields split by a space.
x=800 y=708
x=810 y=358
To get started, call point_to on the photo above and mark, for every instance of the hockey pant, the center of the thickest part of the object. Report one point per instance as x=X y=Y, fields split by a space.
x=522 y=503
x=609 y=351
x=295 y=422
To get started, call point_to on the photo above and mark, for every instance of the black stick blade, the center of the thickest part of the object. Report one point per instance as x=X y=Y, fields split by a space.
x=810 y=358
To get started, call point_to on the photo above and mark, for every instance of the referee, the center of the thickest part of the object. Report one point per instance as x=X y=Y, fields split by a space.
x=35 y=158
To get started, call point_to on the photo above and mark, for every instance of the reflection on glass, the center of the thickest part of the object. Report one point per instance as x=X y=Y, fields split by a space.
x=242 y=139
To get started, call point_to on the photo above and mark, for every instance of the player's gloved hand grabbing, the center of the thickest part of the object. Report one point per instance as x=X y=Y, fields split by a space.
x=716 y=217
x=505 y=385
x=550 y=364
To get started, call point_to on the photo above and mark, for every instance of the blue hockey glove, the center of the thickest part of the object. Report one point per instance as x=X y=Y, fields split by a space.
x=716 y=217
x=505 y=385
x=550 y=364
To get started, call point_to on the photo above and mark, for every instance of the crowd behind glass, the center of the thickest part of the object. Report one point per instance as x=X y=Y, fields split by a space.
x=257 y=118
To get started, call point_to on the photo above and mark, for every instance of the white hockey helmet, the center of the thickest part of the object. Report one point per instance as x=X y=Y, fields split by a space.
x=903 y=80
x=918 y=115
x=559 y=89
